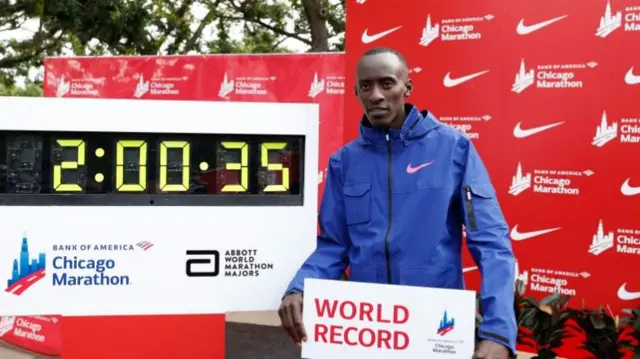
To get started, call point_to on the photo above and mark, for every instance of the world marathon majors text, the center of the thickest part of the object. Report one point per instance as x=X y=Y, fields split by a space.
x=242 y=263
x=99 y=278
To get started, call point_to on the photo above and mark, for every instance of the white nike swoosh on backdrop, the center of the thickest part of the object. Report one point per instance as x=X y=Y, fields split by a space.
x=630 y=78
x=523 y=29
x=521 y=236
x=367 y=39
x=518 y=132
x=627 y=190
x=449 y=82
x=625 y=295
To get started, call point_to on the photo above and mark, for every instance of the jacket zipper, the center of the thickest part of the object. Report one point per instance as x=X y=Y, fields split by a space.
x=387 y=254
x=470 y=211
x=386 y=238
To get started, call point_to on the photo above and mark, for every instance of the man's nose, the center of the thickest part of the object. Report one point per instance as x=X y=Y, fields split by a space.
x=376 y=95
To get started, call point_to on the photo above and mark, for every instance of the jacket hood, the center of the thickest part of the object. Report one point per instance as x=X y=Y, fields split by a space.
x=416 y=125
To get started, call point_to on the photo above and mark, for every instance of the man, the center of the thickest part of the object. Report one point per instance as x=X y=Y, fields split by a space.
x=394 y=205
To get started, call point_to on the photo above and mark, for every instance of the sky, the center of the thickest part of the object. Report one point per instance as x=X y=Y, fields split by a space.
x=28 y=28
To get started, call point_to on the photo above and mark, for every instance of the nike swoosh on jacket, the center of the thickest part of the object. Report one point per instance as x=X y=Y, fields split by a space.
x=390 y=226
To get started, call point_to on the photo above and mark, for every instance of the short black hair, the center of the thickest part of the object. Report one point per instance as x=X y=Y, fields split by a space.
x=385 y=50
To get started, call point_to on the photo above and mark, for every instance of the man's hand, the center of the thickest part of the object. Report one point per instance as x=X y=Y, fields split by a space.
x=491 y=350
x=291 y=317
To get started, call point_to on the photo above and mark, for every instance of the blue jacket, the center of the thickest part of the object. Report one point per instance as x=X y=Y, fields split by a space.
x=393 y=208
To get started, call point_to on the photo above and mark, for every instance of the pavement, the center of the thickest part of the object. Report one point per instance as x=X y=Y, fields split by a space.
x=249 y=335
x=8 y=351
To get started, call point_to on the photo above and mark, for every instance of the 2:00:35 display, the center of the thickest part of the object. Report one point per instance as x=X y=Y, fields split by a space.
x=103 y=163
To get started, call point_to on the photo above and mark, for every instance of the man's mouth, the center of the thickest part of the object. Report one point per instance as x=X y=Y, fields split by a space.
x=378 y=111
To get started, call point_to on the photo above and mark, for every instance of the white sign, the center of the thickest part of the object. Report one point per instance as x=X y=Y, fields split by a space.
x=139 y=248
x=361 y=320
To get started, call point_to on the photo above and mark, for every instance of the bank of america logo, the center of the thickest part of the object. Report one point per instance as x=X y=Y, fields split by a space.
x=446 y=324
x=26 y=271
x=145 y=245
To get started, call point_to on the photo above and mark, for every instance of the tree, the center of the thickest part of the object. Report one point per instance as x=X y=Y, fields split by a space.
x=163 y=27
x=30 y=90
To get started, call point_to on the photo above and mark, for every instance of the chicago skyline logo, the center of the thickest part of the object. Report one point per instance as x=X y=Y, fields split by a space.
x=26 y=271
x=446 y=324
x=73 y=265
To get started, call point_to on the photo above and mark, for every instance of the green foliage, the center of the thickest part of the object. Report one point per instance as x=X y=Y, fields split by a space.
x=602 y=333
x=545 y=322
x=162 y=27
x=29 y=90
x=543 y=325
x=632 y=343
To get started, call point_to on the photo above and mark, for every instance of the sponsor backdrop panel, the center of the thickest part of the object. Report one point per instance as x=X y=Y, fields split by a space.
x=555 y=119
x=319 y=78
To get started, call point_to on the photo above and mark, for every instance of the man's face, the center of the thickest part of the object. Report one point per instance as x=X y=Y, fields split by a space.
x=382 y=85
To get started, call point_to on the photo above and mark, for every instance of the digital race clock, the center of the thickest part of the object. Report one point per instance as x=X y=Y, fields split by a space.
x=123 y=160
x=134 y=207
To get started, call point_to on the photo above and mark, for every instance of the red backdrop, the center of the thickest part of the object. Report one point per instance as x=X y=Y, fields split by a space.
x=529 y=83
x=270 y=78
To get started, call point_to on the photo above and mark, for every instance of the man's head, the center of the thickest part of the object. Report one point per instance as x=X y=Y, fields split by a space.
x=382 y=84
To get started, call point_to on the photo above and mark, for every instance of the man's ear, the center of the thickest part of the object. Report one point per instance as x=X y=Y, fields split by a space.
x=408 y=88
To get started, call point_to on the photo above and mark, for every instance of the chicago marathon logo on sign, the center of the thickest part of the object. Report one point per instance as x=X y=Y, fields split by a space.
x=79 y=87
x=446 y=324
x=453 y=29
x=626 y=130
x=614 y=19
x=542 y=280
x=547 y=181
x=244 y=85
x=72 y=265
x=442 y=344
x=170 y=76
x=623 y=240
x=6 y=325
x=468 y=125
x=332 y=85
x=26 y=271
x=550 y=76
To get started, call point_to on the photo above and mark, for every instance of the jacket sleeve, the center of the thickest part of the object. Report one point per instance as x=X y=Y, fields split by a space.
x=489 y=244
x=329 y=259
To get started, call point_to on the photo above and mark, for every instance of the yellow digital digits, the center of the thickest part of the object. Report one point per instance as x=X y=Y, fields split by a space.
x=79 y=145
x=242 y=166
x=164 y=171
x=264 y=156
x=141 y=186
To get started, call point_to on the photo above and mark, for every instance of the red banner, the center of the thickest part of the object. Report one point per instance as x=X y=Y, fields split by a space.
x=37 y=334
x=547 y=90
x=302 y=78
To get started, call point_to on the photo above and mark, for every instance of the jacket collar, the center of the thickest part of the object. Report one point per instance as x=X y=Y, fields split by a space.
x=416 y=124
